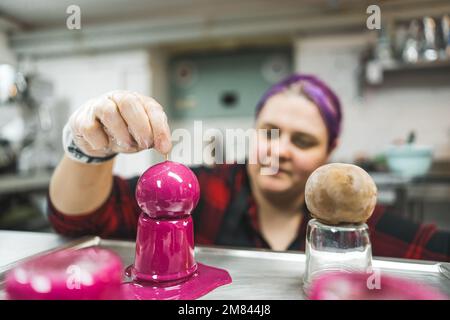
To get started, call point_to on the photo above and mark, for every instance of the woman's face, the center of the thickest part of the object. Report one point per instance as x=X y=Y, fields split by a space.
x=302 y=143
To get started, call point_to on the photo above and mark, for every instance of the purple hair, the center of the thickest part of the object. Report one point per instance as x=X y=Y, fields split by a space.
x=319 y=93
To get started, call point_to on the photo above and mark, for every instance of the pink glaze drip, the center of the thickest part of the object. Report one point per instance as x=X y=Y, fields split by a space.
x=91 y=273
x=164 y=249
x=203 y=281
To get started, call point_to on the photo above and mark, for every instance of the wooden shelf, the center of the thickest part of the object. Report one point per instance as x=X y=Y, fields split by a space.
x=421 y=65
x=397 y=73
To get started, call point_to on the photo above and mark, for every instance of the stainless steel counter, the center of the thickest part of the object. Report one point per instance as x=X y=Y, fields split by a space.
x=16 y=245
x=257 y=274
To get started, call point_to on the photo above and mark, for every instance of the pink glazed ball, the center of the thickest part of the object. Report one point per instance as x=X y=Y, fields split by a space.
x=167 y=190
x=85 y=274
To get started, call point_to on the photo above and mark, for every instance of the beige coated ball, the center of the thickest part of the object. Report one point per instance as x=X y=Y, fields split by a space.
x=339 y=193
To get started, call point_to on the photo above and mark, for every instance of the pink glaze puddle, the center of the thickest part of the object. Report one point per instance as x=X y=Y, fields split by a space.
x=203 y=281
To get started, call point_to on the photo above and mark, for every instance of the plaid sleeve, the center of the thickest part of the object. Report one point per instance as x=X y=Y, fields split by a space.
x=394 y=236
x=118 y=216
x=215 y=195
x=115 y=218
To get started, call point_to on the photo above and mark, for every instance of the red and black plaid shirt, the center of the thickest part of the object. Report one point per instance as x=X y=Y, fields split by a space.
x=227 y=215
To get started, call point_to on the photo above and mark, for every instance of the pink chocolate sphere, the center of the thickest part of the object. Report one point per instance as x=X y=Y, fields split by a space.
x=167 y=190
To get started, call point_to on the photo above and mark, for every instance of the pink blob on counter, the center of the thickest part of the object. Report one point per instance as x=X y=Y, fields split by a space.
x=85 y=274
x=204 y=280
x=164 y=265
x=364 y=286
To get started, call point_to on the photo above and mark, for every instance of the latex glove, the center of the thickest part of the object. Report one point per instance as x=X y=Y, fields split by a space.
x=118 y=122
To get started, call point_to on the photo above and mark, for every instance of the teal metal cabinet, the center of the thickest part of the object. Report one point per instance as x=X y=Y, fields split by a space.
x=224 y=84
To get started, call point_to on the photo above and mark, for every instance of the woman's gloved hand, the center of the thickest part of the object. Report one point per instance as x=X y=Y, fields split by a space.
x=119 y=121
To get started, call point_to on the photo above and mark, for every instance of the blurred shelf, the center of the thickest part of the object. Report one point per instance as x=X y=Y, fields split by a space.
x=13 y=183
x=420 y=65
x=388 y=185
x=394 y=73
x=429 y=188
x=430 y=192
x=386 y=197
x=389 y=180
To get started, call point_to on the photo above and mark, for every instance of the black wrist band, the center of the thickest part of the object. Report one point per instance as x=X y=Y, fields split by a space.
x=79 y=155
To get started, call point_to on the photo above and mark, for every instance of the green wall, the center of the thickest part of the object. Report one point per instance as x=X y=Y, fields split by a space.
x=224 y=84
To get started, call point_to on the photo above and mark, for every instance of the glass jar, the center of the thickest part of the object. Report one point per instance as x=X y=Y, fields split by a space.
x=331 y=248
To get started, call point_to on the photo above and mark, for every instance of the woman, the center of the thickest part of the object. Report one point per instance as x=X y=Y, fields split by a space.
x=238 y=205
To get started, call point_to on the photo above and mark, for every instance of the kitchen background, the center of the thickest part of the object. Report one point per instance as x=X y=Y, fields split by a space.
x=210 y=60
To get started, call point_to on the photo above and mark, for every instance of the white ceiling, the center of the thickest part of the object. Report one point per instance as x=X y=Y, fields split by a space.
x=40 y=25
x=34 y=14
x=45 y=13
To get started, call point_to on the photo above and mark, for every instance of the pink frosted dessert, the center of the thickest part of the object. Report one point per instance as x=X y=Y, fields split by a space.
x=91 y=274
x=363 y=286
x=166 y=193
x=164 y=265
